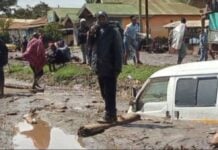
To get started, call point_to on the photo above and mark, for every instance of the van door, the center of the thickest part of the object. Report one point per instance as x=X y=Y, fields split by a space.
x=152 y=99
x=196 y=98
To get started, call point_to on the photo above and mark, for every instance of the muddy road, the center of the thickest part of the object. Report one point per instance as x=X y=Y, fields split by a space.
x=60 y=111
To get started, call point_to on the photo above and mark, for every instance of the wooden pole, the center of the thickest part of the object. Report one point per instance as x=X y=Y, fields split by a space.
x=140 y=15
x=147 y=21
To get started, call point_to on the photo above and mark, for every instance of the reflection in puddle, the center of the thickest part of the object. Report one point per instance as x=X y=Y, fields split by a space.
x=42 y=136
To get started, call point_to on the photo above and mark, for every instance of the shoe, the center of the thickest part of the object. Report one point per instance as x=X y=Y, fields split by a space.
x=108 y=119
x=139 y=62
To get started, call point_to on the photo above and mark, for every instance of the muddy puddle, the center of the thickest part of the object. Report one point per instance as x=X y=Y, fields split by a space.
x=43 y=136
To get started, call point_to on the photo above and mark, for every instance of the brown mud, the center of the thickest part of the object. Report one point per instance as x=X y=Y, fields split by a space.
x=62 y=110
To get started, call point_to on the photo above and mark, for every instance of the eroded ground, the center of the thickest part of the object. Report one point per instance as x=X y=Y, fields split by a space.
x=60 y=111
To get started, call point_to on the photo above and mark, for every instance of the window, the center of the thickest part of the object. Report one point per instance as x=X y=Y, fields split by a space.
x=207 y=91
x=199 y=92
x=155 y=91
x=185 y=92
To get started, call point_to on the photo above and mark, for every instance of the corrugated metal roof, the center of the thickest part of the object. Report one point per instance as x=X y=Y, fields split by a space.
x=189 y=23
x=62 y=12
x=171 y=7
x=112 y=1
x=156 y=7
x=112 y=9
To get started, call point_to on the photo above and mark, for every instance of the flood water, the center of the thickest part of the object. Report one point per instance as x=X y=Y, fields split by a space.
x=42 y=136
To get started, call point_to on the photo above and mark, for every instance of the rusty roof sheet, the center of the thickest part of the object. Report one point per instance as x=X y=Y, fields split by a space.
x=189 y=24
x=25 y=24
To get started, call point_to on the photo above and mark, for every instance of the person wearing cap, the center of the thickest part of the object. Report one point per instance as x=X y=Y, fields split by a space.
x=106 y=62
x=3 y=62
x=82 y=38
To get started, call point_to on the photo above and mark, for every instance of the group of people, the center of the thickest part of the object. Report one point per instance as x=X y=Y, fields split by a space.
x=130 y=40
x=57 y=53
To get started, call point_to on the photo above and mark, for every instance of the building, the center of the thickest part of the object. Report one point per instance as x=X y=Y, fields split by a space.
x=161 y=12
x=21 y=27
x=68 y=18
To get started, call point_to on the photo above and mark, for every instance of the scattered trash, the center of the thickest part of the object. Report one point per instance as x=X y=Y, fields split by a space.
x=12 y=113
x=31 y=116
x=89 y=106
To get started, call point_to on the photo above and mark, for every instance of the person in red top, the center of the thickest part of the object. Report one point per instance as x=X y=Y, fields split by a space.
x=35 y=55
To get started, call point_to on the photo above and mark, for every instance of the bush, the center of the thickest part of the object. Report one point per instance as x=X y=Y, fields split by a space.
x=51 y=32
x=5 y=37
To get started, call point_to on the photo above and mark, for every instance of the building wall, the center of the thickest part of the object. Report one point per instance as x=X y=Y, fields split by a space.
x=157 y=22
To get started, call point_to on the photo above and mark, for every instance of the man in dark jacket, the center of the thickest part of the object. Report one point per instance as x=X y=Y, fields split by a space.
x=107 y=63
x=3 y=62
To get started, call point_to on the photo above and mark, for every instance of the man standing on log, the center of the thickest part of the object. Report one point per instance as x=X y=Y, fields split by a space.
x=3 y=62
x=106 y=62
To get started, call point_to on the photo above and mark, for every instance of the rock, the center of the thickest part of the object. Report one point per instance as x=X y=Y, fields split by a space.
x=60 y=105
x=29 y=118
x=89 y=106
x=66 y=100
x=60 y=110
x=214 y=140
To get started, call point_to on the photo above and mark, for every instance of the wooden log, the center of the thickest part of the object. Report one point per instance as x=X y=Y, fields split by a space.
x=17 y=86
x=95 y=128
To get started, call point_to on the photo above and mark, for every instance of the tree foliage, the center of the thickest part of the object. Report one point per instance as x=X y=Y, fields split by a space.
x=4 y=25
x=52 y=32
x=37 y=11
x=5 y=6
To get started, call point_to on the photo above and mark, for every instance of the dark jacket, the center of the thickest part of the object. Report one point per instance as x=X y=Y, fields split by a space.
x=107 y=52
x=82 y=35
x=3 y=54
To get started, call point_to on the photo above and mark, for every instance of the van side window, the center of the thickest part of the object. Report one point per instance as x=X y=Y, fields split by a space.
x=185 y=92
x=207 y=91
x=199 y=92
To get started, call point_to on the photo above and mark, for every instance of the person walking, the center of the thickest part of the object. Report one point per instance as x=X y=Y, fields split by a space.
x=3 y=62
x=203 y=45
x=24 y=43
x=35 y=55
x=106 y=44
x=131 y=41
x=178 y=40
x=82 y=38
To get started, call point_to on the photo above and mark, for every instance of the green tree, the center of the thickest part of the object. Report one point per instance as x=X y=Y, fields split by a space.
x=40 y=10
x=4 y=25
x=5 y=6
x=23 y=13
x=52 y=32
x=37 y=11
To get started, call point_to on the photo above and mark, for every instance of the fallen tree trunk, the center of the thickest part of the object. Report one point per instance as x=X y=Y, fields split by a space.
x=95 y=128
x=17 y=86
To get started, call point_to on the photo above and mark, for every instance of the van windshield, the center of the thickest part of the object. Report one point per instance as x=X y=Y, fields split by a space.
x=154 y=91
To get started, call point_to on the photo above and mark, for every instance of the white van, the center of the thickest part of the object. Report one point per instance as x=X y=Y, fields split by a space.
x=186 y=91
